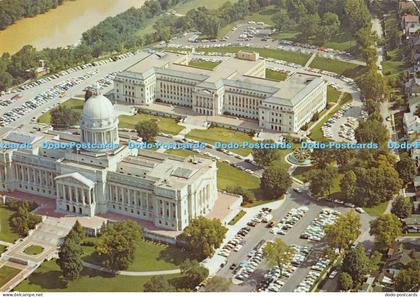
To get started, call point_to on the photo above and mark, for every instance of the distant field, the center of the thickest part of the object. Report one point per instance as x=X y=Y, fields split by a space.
x=184 y=7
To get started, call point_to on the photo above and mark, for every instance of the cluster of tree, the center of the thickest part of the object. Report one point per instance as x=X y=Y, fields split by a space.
x=370 y=177
x=13 y=204
x=202 y=236
x=13 y=10
x=147 y=130
x=385 y=229
x=70 y=253
x=321 y=20
x=117 y=244
x=275 y=181
x=278 y=253
x=356 y=265
x=192 y=274
x=408 y=279
x=62 y=117
x=23 y=220
x=343 y=233
x=247 y=195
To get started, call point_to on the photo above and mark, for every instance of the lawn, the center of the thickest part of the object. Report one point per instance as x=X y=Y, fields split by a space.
x=316 y=132
x=377 y=210
x=34 y=250
x=275 y=75
x=237 y=217
x=342 y=42
x=6 y=232
x=47 y=278
x=191 y=4
x=228 y=175
x=72 y=103
x=332 y=94
x=394 y=65
x=149 y=256
x=302 y=173
x=340 y=67
x=208 y=65
x=166 y=125
x=222 y=135
x=2 y=248
x=6 y=274
x=294 y=57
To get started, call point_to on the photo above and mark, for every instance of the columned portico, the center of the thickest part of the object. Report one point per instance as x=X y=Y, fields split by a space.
x=75 y=194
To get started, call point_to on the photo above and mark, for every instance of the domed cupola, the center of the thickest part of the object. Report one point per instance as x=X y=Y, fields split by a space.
x=99 y=122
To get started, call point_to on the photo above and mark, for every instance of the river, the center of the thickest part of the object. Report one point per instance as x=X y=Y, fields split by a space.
x=61 y=26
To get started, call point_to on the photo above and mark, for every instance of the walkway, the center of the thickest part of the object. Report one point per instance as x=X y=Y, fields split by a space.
x=131 y=273
x=310 y=60
x=5 y=243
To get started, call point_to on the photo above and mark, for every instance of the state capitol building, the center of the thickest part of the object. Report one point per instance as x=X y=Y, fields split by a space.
x=165 y=190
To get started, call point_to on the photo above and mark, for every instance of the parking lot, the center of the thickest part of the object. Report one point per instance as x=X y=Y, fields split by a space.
x=27 y=101
x=299 y=215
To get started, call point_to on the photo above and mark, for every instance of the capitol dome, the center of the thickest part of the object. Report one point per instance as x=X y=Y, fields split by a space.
x=98 y=108
x=99 y=122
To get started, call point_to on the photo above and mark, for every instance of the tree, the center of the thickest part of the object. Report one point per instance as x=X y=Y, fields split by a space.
x=348 y=185
x=372 y=84
x=147 y=130
x=345 y=281
x=203 y=236
x=408 y=280
x=321 y=158
x=344 y=232
x=193 y=273
x=264 y=156
x=406 y=168
x=278 y=253
x=330 y=25
x=402 y=207
x=386 y=229
x=321 y=182
x=77 y=232
x=309 y=25
x=23 y=220
x=70 y=258
x=218 y=284
x=158 y=284
x=371 y=130
x=356 y=264
x=117 y=244
x=275 y=181
x=62 y=117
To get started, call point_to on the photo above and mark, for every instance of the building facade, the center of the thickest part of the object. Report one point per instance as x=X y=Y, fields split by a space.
x=237 y=86
x=102 y=175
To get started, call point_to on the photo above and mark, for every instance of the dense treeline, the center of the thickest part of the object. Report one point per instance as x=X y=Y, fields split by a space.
x=13 y=10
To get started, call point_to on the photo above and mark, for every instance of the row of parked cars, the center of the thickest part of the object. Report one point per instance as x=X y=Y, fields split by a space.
x=247 y=267
x=263 y=216
x=315 y=230
x=236 y=243
x=313 y=275
x=290 y=219
x=326 y=128
x=275 y=278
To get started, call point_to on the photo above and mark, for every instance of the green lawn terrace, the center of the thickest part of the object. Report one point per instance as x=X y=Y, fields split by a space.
x=75 y=104
x=7 y=273
x=166 y=125
x=346 y=69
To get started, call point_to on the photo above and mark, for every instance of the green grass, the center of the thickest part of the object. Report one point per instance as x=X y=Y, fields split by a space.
x=377 y=210
x=76 y=104
x=302 y=173
x=275 y=75
x=149 y=256
x=395 y=65
x=48 y=278
x=342 y=42
x=316 y=132
x=228 y=175
x=340 y=67
x=34 y=250
x=6 y=232
x=237 y=217
x=222 y=135
x=278 y=54
x=208 y=65
x=2 y=248
x=185 y=6
x=332 y=94
x=7 y=273
x=166 y=125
